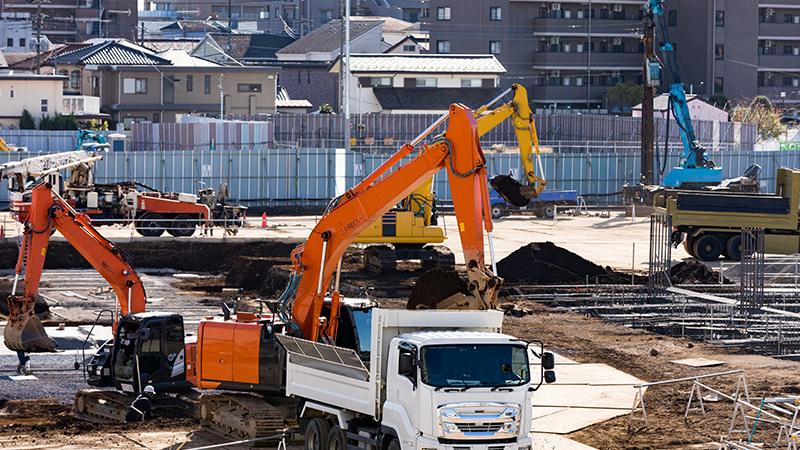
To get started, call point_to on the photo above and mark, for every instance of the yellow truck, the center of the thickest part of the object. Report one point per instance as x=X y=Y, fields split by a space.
x=709 y=223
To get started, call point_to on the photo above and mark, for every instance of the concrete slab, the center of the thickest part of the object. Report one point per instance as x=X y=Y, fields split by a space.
x=20 y=377
x=699 y=362
x=546 y=441
x=573 y=419
x=589 y=396
x=595 y=374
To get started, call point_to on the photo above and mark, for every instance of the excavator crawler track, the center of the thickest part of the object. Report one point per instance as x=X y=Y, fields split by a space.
x=380 y=259
x=242 y=415
x=98 y=406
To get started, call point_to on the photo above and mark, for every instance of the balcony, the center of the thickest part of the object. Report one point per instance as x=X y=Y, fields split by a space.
x=787 y=62
x=80 y=105
x=598 y=60
x=781 y=29
x=605 y=27
x=158 y=14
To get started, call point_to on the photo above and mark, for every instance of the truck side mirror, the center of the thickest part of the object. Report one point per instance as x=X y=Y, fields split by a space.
x=407 y=365
x=549 y=376
x=548 y=361
x=143 y=334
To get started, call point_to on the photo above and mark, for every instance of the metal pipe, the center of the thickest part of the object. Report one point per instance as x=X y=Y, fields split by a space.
x=427 y=131
x=14 y=288
x=322 y=266
x=338 y=275
x=656 y=383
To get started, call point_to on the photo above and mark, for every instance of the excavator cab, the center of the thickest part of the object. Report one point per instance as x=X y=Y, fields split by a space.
x=148 y=348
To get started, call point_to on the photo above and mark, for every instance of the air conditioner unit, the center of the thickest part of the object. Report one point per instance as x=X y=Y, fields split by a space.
x=770 y=11
x=555 y=73
x=554 y=40
x=616 y=41
x=769 y=43
x=768 y=75
x=555 y=6
x=617 y=8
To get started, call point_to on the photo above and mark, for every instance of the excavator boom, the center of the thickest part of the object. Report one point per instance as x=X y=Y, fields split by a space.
x=24 y=331
x=315 y=262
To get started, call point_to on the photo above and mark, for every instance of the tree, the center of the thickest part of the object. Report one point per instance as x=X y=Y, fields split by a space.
x=325 y=109
x=26 y=121
x=625 y=94
x=719 y=100
x=760 y=112
x=47 y=123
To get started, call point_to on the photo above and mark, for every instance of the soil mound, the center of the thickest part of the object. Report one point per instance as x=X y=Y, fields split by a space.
x=694 y=272
x=547 y=263
x=434 y=286
x=249 y=272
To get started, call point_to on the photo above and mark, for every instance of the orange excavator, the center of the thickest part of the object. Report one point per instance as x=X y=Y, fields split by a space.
x=241 y=351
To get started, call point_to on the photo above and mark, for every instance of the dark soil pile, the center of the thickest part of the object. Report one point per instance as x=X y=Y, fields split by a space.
x=547 y=263
x=249 y=272
x=434 y=286
x=694 y=272
x=192 y=255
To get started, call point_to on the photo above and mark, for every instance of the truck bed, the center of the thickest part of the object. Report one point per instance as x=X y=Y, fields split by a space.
x=735 y=203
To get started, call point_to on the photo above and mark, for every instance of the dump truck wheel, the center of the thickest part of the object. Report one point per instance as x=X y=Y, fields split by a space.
x=708 y=247
x=151 y=225
x=336 y=439
x=183 y=225
x=317 y=434
x=498 y=211
x=733 y=248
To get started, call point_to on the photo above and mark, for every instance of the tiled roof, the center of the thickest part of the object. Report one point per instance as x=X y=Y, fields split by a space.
x=293 y=103
x=210 y=27
x=432 y=98
x=161 y=45
x=120 y=53
x=264 y=46
x=488 y=64
x=327 y=38
x=390 y=24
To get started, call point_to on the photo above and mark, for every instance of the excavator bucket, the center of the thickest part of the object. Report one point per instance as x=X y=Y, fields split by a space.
x=510 y=189
x=24 y=331
x=28 y=335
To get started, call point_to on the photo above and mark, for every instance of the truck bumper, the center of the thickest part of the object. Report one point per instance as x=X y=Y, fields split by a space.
x=428 y=443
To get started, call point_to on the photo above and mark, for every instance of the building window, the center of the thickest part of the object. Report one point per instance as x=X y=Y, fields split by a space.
x=264 y=14
x=44 y=106
x=787 y=49
x=65 y=73
x=409 y=48
x=787 y=81
x=494 y=47
x=155 y=117
x=75 y=79
x=308 y=76
x=380 y=82
x=719 y=18
x=672 y=18
x=189 y=83
x=719 y=86
x=426 y=82
x=22 y=42
x=11 y=93
x=719 y=51
x=471 y=83
x=207 y=88
x=325 y=16
x=495 y=13
x=10 y=42
x=443 y=13
x=442 y=46
x=134 y=86
x=249 y=88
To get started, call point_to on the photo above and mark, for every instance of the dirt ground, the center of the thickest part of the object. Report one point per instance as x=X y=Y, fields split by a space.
x=43 y=423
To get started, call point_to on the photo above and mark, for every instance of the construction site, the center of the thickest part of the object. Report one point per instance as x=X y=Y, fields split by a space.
x=400 y=309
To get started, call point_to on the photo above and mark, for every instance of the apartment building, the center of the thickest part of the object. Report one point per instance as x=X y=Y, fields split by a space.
x=77 y=20
x=568 y=53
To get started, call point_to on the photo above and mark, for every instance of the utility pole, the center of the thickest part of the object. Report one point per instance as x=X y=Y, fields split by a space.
x=230 y=17
x=650 y=83
x=37 y=23
x=221 y=98
x=346 y=68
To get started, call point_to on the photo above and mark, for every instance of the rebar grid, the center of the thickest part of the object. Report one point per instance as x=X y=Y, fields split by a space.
x=660 y=261
x=752 y=271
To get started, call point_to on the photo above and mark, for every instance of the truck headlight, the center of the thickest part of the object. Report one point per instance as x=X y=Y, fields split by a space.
x=508 y=427
x=451 y=428
x=527 y=447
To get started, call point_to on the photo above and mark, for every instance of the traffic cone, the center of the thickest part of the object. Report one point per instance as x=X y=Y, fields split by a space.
x=264 y=220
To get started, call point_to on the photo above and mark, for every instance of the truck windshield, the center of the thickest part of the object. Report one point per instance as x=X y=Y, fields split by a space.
x=363 y=320
x=476 y=365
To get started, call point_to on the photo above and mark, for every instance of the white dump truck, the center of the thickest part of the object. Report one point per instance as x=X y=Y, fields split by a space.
x=435 y=380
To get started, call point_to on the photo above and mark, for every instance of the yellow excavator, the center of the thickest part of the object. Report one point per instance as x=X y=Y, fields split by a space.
x=5 y=147
x=411 y=231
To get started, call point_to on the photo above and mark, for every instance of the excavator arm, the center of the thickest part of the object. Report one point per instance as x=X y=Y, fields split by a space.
x=695 y=168
x=315 y=262
x=24 y=331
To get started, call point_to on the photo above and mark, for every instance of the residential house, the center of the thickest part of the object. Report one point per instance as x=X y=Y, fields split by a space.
x=247 y=49
x=40 y=94
x=393 y=83
x=306 y=62
x=699 y=109
x=409 y=46
x=136 y=84
x=74 y=21
x=189 y=29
